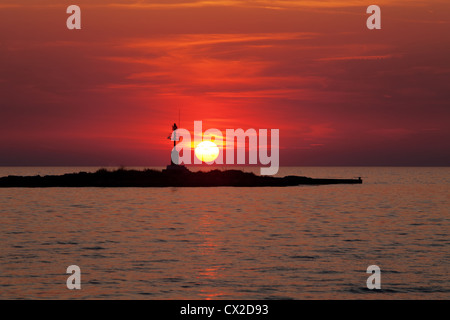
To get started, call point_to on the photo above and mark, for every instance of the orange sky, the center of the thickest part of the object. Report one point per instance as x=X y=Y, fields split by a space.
x=339 y=93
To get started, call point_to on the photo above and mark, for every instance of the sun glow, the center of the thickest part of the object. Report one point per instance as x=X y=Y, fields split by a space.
x=207 y=151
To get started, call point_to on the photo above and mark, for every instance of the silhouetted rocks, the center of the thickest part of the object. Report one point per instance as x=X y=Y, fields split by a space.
x=166 y=178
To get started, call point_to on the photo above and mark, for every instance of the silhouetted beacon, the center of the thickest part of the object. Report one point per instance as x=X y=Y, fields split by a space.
x=174 y=156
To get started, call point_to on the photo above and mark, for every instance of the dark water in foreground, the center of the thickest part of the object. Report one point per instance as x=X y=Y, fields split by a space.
x=310 y=242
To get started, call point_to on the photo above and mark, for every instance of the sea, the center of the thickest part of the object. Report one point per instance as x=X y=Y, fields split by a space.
x=303 y=242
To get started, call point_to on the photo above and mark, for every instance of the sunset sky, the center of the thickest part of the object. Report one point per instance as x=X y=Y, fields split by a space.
x=340 y=94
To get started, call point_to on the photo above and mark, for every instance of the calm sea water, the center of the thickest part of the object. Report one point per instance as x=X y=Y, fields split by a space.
x=306 y=242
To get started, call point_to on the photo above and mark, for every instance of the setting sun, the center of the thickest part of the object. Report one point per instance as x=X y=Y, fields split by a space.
x=207 y=151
